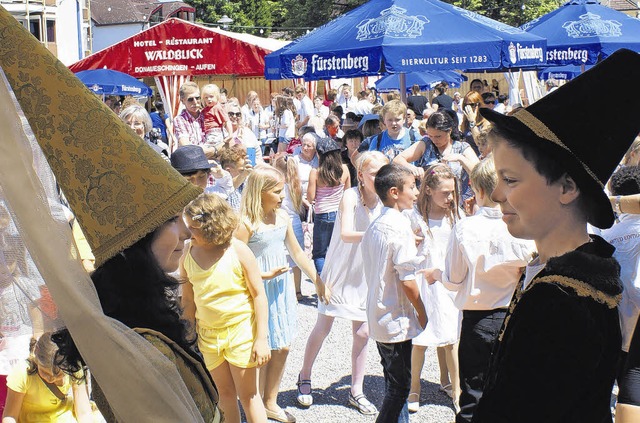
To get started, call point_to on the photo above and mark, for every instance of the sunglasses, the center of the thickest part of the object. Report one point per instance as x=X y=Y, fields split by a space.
x=232 y=114
x=190 y=99
x=488 y=102
x=472 y=104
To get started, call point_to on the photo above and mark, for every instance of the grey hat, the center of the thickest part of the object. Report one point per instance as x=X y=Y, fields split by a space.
x=190 y=159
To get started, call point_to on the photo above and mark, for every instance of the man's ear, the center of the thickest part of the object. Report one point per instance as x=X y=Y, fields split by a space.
x=570 y=191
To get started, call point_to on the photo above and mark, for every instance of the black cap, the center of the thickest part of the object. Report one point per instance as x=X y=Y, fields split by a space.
x=327 y=145
x=189 y=159
x=592 y=139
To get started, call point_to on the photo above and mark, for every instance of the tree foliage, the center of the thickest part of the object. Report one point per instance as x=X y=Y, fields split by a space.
x=511 y=12
x=294 y=17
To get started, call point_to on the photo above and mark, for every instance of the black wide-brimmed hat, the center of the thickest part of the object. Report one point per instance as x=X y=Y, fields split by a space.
x=189 y=159
x=589 y=139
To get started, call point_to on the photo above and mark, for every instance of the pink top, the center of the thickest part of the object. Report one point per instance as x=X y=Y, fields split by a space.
x=328 y=198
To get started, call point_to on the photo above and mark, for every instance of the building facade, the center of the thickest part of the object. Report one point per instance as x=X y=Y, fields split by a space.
x=63 y=26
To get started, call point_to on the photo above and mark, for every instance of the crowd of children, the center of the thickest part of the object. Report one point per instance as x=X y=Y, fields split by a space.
x=489 y=261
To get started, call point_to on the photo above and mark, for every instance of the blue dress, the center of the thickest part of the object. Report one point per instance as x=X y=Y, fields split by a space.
x=269 y=248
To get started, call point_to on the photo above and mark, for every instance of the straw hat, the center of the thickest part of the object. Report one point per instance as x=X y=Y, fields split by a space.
x=118 y=187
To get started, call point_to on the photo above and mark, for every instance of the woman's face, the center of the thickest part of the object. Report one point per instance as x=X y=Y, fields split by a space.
x=272 y=198
x=255 y=105
x=136 y=124
x=235 y=116
x=440 y=138
x=317 y=103
x=367 y=176
x=308 y=149
x=442 y=196
x=168 y=243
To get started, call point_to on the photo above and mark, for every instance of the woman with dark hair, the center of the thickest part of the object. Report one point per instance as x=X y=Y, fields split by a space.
x=327 y=183
x=442 y=144
x=442 y=100
x=417 y=102
x=134 y=287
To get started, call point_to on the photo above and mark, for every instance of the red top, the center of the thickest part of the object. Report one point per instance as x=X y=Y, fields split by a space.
x=214 y=117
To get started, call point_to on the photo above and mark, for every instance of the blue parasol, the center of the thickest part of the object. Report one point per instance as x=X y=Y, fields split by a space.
x=110 y=82
x=402 y=36
x=425 y=80
x=585 y=32
x=563 y=73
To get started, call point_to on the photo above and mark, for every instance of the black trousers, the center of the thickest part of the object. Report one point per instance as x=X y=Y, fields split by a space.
x=629 y=379
x=396 y=363
x=479 y=333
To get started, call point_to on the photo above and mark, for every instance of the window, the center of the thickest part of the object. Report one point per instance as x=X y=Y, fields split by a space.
x=34 y=28
x=51 y=30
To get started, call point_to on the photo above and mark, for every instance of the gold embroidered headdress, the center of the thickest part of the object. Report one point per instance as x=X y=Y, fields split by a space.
x=118 y=188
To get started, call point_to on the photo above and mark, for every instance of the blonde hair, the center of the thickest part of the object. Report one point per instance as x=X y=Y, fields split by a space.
x=263 y=178
x=216 y=218
x=482 y=138
x=484 y=177
x=42 y=353
x=288 y=166
x=209 y=89
x=365 y=160
x=396 y=107
x=433 y=175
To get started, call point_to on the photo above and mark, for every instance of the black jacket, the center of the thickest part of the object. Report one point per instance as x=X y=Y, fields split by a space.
x=557 y=352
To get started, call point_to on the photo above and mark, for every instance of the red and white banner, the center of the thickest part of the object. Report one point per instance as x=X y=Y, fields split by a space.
x=177 y=47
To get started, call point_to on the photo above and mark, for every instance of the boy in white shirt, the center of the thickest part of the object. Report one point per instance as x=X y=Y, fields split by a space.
x=395 y=311
x=483 y=265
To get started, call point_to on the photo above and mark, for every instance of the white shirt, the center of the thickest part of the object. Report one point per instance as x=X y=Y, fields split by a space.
x=261 y=117
x=363 y=107
x=389 y=257
x=305 y=109
x=304 y=170
x=288 y=120
x=625 y=236
x=484 y=261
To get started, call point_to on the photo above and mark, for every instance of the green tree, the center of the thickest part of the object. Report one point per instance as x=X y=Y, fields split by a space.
x=511 y=12
x=248 y=15
x=303 y=14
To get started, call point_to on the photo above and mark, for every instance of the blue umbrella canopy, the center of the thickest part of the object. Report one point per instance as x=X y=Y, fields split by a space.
x=425 y=80
x=585 y=32
x=394 y=36
x=110 y=82
x=564 y=73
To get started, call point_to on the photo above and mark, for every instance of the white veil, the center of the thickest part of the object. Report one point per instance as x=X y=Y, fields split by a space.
x=140 y=384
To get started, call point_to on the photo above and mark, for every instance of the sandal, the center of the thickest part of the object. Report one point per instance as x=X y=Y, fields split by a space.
x=305 y=400
x=413 y=406
x=280 y=416
x=362 y=404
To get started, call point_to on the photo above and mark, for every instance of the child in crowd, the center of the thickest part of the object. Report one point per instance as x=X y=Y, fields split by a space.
x=38 y=391
x=191 y=162
x=483 y=264
x=269 y=233
x=623 y=235
x=433 y=217
x=285 y=123
x=360 y=205
x=224 y=299
x=327 y=183
x=558 y=349
x=395 y=138
x=214 y=116
x=395 y=312
x=293 y=205
x=233 y=159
